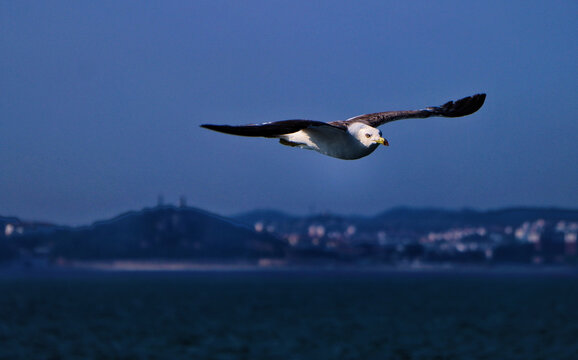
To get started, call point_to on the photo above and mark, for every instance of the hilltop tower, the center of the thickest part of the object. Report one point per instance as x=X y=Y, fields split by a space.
x=182 y=201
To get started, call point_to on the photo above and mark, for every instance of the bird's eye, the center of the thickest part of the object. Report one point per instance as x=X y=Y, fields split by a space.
x=368 y=135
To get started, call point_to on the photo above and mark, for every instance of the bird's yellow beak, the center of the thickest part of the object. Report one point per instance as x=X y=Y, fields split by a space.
x=382 y=141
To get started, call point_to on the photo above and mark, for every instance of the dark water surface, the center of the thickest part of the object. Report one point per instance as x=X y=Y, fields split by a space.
x=289 y=315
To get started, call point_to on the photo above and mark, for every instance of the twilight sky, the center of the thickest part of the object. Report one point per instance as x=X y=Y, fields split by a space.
x=101 y=102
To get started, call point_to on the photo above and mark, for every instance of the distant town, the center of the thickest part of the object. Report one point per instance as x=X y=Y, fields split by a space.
x=181 y=234
x=522 y=235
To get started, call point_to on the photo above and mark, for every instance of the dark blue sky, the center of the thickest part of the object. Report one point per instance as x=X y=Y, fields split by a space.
x=101 y=102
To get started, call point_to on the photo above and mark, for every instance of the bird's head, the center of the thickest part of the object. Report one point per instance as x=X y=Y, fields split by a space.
x=367 y=135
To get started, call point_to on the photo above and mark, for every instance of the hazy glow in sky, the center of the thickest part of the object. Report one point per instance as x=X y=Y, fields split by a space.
x=101 y=102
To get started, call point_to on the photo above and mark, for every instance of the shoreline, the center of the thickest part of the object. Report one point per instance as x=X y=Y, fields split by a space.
x=167 y=267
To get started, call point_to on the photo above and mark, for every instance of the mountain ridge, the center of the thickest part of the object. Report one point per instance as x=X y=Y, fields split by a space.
x=168 y=232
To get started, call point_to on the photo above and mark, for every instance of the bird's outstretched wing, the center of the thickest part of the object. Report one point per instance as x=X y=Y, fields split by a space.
x=461 y=107
x=272 y=129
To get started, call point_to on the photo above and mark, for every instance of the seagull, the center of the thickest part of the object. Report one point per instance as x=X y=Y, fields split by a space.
x=349 y=139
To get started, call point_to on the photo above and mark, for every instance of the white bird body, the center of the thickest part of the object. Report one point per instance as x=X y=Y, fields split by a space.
x=336 y=143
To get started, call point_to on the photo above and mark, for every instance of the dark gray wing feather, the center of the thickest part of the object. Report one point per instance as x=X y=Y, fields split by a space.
x=272 y=129
x=461 y=107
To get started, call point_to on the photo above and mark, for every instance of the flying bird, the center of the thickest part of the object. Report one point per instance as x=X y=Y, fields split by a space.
x=349 y=139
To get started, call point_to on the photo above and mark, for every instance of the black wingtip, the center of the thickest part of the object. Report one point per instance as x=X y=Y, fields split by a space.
x=461 y=107
x=226 y=129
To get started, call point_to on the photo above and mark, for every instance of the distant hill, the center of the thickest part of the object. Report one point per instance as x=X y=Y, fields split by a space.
x=416 y=219
x=17 y=225
x=438 y=219
x=511 y=235
x=8 y=220
x=522 y=235
x=251 y=217
x=165 y=232
x=13 y=227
